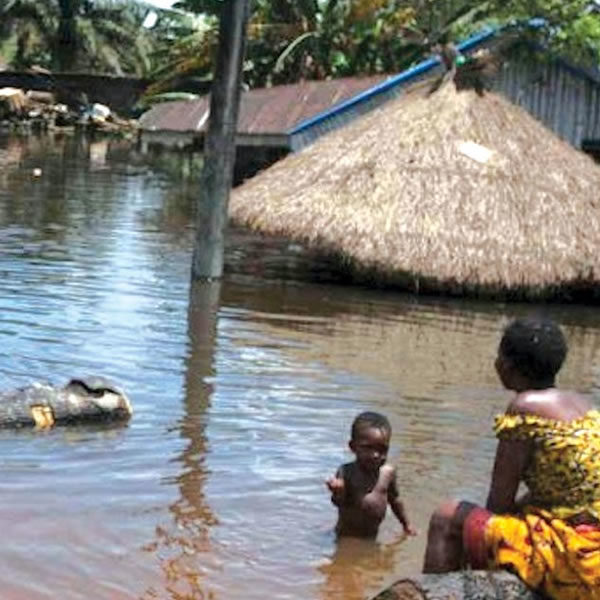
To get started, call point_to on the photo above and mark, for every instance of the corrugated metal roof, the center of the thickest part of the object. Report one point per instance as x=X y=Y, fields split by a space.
x=267 y=110
x=179 y=115
x=307 y=109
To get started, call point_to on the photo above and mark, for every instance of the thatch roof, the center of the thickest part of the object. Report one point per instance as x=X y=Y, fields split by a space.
x=401 y=197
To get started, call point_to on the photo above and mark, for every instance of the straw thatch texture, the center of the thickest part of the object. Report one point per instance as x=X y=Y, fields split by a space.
x=395 y=197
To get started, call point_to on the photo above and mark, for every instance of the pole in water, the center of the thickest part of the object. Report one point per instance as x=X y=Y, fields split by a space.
x=219 y=147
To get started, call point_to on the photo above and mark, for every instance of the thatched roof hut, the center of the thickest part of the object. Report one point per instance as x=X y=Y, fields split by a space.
x=450 y=192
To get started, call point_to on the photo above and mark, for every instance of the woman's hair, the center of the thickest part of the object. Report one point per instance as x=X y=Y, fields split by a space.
x=370 y=419
x=535 y=346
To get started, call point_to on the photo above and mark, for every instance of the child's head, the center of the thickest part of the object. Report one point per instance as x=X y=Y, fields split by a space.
x=534 y=348
x=370 y=439
x=369 y=419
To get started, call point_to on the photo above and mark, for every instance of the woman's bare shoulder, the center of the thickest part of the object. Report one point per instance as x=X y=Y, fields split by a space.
x=559 y=405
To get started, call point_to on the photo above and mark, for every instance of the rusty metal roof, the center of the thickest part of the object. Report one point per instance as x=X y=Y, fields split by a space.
x=267 y=110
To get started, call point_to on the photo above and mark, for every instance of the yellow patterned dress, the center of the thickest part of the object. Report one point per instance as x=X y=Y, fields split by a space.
x=545 y=546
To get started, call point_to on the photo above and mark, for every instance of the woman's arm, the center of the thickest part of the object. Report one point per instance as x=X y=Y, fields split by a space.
x=511 y=460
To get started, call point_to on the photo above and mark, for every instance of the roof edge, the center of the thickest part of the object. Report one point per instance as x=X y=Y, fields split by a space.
x=409 y=75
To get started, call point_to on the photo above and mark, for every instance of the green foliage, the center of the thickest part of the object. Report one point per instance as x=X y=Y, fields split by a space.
x=568 y=27
x=184 y=49
x=582 y=38
x=330 y=39
x=314 y=39
x=68 y=35
x=204 y=7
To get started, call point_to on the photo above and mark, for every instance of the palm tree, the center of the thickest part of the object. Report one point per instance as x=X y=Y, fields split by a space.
x=67 y=35
x=25 y=24
x=185 y=45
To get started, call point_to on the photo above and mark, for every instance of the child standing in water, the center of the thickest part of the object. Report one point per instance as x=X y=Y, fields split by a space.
x=362 y=489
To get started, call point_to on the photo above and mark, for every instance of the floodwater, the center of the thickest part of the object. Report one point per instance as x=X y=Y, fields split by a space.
x=243 y=392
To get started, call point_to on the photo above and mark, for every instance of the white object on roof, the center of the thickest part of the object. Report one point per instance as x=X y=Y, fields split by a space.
x=476 y=152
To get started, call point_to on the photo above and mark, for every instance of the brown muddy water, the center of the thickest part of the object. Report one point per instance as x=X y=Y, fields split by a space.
x=243 y=394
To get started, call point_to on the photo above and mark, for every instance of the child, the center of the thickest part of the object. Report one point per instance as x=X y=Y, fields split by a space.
x=362 y=489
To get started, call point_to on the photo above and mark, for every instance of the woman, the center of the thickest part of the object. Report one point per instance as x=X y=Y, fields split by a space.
x=550 y=440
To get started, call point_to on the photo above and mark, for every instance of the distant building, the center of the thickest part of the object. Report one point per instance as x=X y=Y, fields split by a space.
x=563 y=96
x=267 y=115
x=275 y=121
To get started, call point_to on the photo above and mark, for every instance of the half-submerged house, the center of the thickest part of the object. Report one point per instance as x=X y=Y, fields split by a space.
x=266 y=118
x=283 y=119
x=451 y=192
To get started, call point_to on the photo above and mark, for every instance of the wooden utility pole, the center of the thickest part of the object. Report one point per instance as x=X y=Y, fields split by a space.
x=219 y=147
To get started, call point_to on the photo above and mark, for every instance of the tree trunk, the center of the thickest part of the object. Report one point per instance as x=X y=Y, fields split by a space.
x=66 y=37
x=462 y=585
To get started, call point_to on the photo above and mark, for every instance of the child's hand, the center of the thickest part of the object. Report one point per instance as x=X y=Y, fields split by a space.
x=408 y=530
x=335 y=485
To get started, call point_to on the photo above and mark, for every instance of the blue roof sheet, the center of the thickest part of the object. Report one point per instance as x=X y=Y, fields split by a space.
x=404 y=77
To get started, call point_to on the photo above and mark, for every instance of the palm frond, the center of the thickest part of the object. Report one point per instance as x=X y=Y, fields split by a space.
x=8 y=48
x=111 y=58
x=88 y=35
x=290 y=48
x=8 y=6
x=143 y=54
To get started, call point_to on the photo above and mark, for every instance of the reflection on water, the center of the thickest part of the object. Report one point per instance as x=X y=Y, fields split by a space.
x=356 y=565
x=184 y=548
x=243 y=393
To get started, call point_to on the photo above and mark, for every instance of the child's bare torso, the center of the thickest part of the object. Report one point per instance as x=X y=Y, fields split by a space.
x=353 y=518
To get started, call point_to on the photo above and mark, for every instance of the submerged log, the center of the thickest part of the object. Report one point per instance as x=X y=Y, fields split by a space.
x=462 y=585
x=84 y=400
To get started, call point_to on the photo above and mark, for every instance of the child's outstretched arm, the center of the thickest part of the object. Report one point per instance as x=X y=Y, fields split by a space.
x=398 y=509
x=337 y=487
